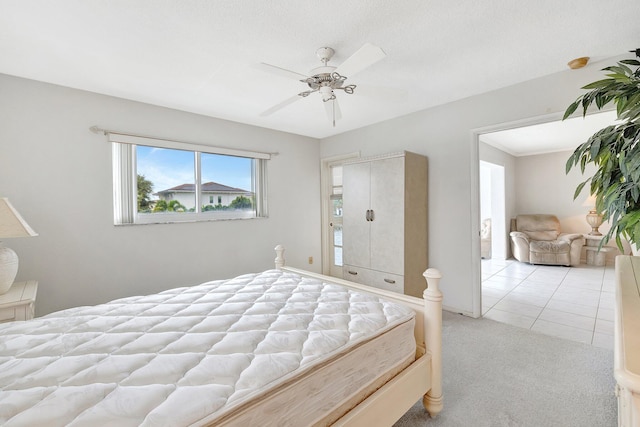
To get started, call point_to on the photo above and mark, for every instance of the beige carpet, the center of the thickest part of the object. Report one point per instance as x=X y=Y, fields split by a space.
x=497 y=375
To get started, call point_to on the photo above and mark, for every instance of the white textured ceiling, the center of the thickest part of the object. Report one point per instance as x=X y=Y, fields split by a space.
x=200 y=55
x=560 y=135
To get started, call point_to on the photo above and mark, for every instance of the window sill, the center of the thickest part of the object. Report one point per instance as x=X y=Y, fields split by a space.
x=158 y=221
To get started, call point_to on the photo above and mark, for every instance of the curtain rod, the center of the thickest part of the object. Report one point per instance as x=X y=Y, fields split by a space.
x=97 y=130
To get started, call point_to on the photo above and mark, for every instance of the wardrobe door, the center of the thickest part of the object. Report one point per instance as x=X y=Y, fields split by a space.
x=387 y=204
x=355 y=214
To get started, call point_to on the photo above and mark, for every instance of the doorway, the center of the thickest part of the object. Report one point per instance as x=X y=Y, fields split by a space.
x=532 y=156
x=493 y=226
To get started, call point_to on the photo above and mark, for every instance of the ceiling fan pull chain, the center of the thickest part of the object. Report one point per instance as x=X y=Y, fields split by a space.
x=333 y=107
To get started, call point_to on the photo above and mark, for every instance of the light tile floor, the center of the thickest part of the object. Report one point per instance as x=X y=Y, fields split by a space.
x=575 y=303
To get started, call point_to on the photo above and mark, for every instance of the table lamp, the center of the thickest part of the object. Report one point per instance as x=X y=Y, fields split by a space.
x=594 y=219
x=11 y=225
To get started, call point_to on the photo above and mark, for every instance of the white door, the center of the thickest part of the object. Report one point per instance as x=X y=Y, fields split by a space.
x=355 y=204
x=387 y=204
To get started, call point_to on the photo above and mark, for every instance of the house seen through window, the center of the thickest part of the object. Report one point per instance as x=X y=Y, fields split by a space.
x=175 y=185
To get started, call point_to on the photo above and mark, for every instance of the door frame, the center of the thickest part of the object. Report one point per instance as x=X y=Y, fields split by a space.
x=325 y=192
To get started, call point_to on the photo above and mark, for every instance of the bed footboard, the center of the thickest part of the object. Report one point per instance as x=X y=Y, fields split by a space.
x=428 y=335
x=432 y=296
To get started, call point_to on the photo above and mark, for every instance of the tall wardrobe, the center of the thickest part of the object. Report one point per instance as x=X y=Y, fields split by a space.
x=385 y=222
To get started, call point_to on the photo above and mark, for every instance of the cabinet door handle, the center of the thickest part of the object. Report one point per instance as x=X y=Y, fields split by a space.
x=390 y=281
x=369 y=216
x=355 y=273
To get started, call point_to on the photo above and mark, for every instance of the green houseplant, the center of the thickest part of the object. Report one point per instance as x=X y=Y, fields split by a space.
x=614 y=150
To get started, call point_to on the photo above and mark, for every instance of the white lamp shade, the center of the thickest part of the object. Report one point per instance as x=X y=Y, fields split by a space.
x=11 y=223
x=590 y=201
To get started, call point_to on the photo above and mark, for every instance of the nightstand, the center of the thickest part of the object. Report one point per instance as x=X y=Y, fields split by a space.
x=17 y=303
x=595 y=257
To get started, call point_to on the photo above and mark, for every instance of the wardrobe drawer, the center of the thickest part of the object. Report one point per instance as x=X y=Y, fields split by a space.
x=387 y=281
x=376 y=279
x=355 y=274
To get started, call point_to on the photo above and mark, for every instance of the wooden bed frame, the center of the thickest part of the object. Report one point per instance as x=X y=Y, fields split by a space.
x=423 y=378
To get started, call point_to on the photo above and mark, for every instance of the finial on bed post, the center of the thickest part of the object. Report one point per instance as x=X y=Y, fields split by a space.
x=432 y=401
x=279 y=257
x=433 y=277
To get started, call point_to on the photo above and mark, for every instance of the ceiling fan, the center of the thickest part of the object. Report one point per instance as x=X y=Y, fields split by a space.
x=327 y=79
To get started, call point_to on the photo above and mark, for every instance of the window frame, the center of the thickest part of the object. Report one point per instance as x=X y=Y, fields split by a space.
x=125 y=182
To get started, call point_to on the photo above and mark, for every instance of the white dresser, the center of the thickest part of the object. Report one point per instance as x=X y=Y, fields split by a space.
x=18 y=302
x=627 y=340
x=385 y=222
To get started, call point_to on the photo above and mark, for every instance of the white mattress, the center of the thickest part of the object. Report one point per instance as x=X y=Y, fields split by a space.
x=195 y=355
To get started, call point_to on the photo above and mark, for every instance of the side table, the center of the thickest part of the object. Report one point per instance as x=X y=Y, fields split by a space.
x=18 y=302
x=595 y=257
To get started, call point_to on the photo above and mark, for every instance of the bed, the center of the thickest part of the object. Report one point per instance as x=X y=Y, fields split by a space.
x=280 y=347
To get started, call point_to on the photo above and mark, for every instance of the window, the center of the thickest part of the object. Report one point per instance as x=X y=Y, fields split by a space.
x=157 y=181
x=336 y=214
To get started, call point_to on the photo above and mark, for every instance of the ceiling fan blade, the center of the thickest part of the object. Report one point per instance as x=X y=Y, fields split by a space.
x=387 y=93
x=332 y=108
x=281 y=105
x=281 y=71
x=365 y=56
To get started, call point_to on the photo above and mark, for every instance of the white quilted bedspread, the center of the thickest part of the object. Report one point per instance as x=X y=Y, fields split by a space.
x=173 y=358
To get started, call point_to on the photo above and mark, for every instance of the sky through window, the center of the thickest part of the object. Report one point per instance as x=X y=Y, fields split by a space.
x=168 y=168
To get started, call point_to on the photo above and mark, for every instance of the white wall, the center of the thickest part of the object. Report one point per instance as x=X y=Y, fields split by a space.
x=58 y=175
x=445 y=134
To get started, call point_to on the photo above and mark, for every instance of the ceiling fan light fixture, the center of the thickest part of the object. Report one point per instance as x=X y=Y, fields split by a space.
x=327 y=93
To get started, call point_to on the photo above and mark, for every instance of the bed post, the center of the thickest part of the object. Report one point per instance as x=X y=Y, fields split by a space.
x=279 y=257
x=432 y=401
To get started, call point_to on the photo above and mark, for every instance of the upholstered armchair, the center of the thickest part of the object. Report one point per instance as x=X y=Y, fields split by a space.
x=537 y=239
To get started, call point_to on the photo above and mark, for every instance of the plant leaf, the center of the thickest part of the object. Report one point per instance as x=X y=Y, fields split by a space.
x=599 y=84
x=571 y=109
x=579 y=189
